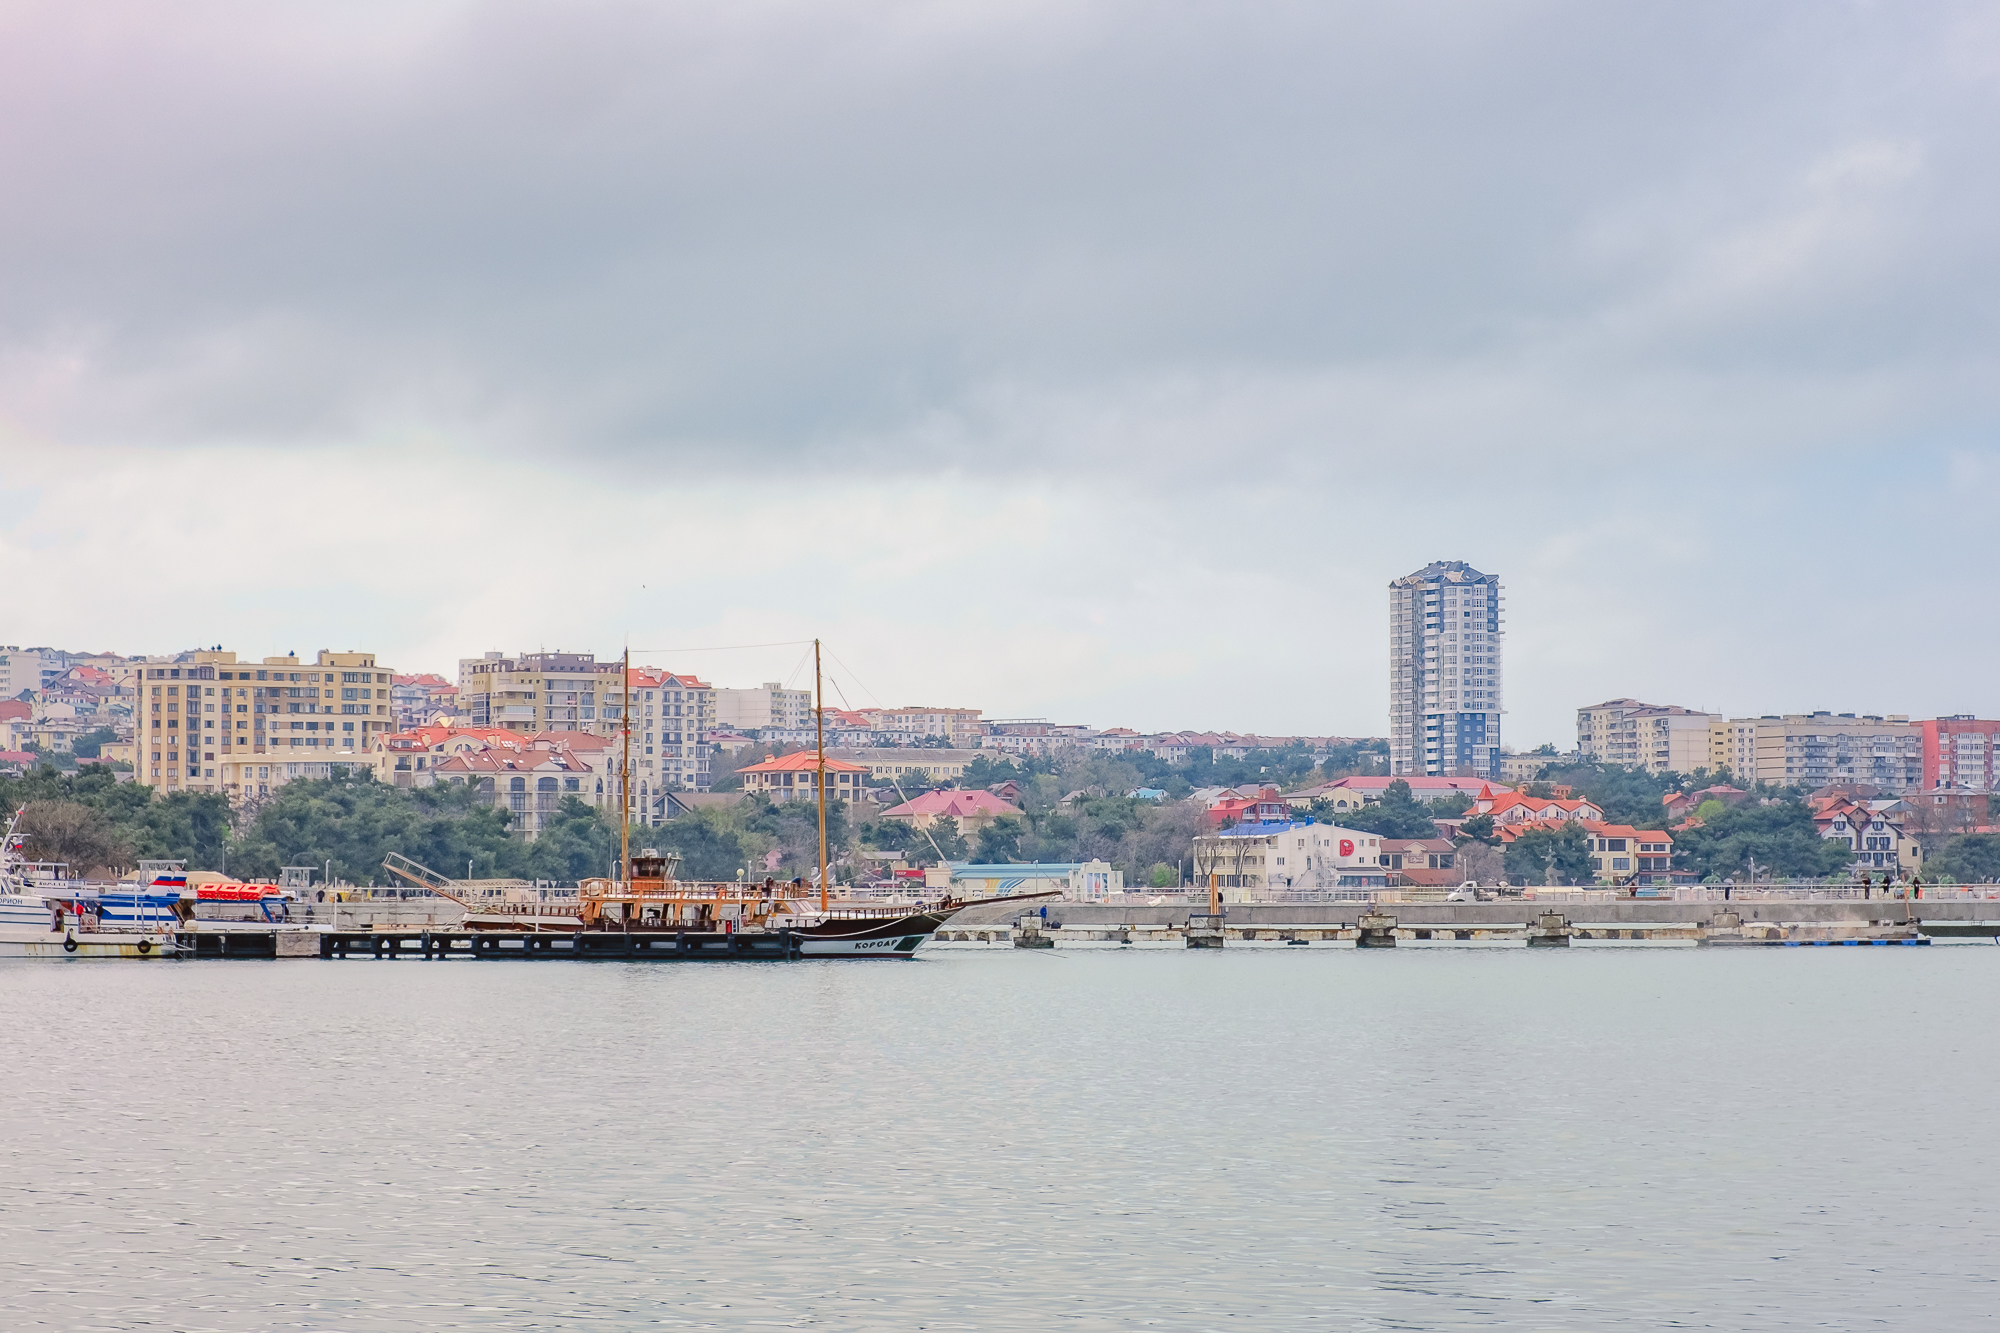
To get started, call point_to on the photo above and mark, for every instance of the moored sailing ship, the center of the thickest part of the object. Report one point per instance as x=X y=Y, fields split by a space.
x=647 y=904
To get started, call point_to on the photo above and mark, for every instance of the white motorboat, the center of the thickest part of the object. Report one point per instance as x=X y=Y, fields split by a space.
x=43 y=914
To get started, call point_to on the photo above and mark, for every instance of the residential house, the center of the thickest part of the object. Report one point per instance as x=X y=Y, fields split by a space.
x=795 y=777
x=529 y=783
x=1511 y=807
x=973 y=810
x=1351 y=793
x=1257 y=862
x=1876 y=829
x=1622 y=855
x=1678 y=805
x=1264 y=807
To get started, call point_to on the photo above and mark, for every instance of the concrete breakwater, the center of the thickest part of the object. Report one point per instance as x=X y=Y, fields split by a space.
x=1515 y=921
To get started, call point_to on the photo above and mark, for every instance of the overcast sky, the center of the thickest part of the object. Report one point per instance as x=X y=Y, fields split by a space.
x=1097 y=361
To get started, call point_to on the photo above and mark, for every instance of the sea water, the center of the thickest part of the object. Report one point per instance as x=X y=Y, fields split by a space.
x=1248 y=1139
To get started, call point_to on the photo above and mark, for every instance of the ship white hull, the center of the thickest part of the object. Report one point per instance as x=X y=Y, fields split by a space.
x=904 y=946
x=86 y=944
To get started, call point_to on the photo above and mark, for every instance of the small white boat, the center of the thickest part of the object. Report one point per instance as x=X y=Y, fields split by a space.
x=43 y=915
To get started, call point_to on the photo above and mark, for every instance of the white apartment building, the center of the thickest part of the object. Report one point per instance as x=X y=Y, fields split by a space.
x=768 y=706
x=1660 y=738
x=1445 y=688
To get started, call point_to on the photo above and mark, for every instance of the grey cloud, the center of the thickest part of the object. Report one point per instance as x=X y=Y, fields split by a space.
x=1013 y=235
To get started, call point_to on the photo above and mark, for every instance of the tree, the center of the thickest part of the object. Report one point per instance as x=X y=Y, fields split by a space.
x=1000 y=840
x=1479 y=829
x=944 y=834
x=576 y=842
x=1781 y=837
x=78 y=835
x=1544 y=855
x=1397 y=815
x=710 y=845
x=91 y=744
x=1162 y=876
x=1971 y=859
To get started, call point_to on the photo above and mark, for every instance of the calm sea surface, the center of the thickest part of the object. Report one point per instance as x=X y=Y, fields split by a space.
x=1411 y=1139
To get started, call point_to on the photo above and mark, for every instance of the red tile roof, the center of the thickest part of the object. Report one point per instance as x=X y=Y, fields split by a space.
x=957 y=804
x=802 y=761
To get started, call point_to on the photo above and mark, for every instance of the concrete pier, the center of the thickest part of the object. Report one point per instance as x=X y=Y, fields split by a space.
x=1516 y=921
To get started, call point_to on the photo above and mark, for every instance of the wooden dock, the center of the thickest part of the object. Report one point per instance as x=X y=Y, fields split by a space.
x=438 y=942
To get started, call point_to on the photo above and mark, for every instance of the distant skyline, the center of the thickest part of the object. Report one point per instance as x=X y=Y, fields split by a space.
x=1095 y=361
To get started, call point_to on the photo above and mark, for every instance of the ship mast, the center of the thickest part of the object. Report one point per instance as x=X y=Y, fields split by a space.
x=819 y=716
x=625 y=783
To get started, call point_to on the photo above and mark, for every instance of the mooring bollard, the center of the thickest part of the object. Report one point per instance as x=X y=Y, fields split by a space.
x=1550 y=930
x=1378 y=931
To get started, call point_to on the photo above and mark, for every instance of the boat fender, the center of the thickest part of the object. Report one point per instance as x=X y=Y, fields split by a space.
x=69 y=944
x=145 y=946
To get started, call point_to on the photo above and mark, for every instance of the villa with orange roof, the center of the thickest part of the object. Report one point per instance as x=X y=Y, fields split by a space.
x=794 y=777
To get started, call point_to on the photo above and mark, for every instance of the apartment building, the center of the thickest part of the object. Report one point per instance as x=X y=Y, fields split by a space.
x=959 y=727
x=26 y=669
x=1961 y=750
x=531 y=691
x=206 y=722
x=672 y=714
x=769 y=706
x=416 y=701
x=1819 y=749
x=1659 y=738
x=673 y=717
x=1732 y=744
x=906 y=766
x=1445 y=694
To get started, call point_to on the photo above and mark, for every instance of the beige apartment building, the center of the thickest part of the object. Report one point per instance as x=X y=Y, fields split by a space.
x=672 y=715
x=916 y=764
x=206 y=722
x=1732 y=744
x=1660 y=738
x=958 y=726
x=1817 y=749
x=769 y=705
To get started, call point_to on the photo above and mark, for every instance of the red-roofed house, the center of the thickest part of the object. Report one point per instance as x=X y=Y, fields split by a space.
x=1266 y=807
x=529 y=783
x=1351 y=793
x=1511 y=807
x=973 y=810
x=792 y=777
x=1621 y=854
x=1681 y=804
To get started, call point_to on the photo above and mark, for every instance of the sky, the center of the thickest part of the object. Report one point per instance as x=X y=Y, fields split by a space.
x=1093 y=361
